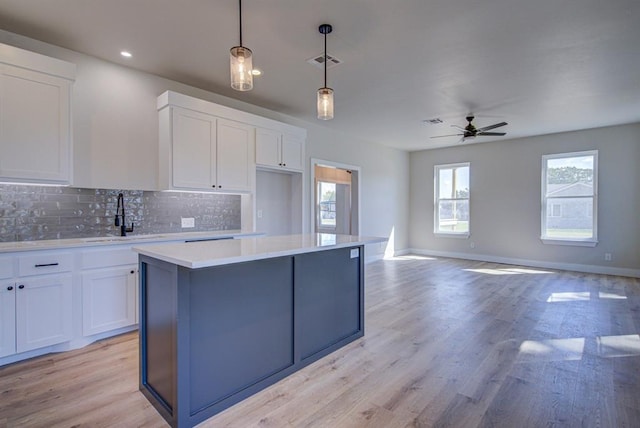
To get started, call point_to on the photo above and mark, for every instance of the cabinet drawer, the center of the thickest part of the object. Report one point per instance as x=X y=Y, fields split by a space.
x=6 y=267
x=45 y=262
x=96 y=259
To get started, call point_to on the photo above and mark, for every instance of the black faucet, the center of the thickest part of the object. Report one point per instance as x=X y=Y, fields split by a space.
x=120 y=219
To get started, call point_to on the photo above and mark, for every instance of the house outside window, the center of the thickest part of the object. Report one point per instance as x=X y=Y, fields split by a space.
x=556 y=210
x=569 y=198
x=451 y=205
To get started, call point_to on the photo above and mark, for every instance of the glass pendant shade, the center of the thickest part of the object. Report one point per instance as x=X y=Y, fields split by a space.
x=325 y=103
x=241 y=64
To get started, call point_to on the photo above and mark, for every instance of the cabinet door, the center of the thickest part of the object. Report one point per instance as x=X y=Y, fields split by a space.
x=108 y=299
x=292 y=153
x=268 y=147
x=43 y=311
x=193 y=149
x=7 y=318
x=235 y=156
x=35 y=135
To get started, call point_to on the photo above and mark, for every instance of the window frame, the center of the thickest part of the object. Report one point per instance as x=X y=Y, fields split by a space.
x=583 y=242
x=319 y=224
x=437 y=199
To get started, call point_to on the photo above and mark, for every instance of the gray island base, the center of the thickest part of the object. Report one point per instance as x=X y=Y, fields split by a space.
x=212 y=336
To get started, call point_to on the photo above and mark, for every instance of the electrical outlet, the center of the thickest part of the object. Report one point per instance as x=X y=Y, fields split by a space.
x=607 y=257
x=188 y=222
x=259 y=213
x=472 y=245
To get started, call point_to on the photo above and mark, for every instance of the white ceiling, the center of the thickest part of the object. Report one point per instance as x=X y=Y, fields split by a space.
x=544 y=66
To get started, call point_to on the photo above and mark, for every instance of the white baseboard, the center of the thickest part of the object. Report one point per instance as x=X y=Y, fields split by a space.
x=65 y=346
x=633 y=273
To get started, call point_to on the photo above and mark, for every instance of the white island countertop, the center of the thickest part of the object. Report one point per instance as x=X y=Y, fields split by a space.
x=196 y=255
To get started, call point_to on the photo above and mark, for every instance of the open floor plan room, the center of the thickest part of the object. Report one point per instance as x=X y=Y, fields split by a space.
x=447 y=342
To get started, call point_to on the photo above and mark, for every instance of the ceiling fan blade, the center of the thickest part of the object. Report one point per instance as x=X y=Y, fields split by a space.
x=442 y=136
x=459 y=128
x=494 y=126
x=492 y=133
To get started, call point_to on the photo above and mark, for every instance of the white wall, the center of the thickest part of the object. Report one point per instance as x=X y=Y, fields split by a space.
x=505 y=200
x=274 y=203
x=115 y=120
x=384 y=181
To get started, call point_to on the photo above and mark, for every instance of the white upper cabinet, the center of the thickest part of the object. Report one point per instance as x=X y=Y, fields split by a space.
x=193 y=148
x=292 y=152
x=209 y=153
x=35 y=117
x=268 y=146
x=235 y=169
x=277 y=150
x=209 y=147
x=205 y=152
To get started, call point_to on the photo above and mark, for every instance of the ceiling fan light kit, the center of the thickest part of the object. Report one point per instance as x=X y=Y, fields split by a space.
x=470 y=131
x=325 y=94
x=241 y=62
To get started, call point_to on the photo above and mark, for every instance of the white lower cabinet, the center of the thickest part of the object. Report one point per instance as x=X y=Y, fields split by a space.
x=7 y=307
x=44 y=312
x=109 y=289
x=109 y=299
x=7 y=318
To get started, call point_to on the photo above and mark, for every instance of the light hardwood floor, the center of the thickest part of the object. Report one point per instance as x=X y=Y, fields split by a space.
x=447 y=343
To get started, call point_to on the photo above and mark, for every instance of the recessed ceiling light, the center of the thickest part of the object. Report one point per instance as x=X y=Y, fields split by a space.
x=256 y=72
x=126 y=54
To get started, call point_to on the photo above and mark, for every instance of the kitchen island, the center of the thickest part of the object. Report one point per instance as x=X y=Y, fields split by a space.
x=222 y=320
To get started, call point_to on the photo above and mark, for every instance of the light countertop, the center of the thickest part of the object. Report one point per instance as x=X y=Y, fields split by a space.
x=53 y=244
x=215 y=253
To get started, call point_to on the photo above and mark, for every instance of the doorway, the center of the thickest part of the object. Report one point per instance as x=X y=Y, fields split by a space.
x=335 y=201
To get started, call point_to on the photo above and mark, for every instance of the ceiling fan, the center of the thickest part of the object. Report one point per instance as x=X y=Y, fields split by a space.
x=471 y=131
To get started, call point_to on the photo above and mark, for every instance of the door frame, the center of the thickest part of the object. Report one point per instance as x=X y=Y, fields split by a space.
x=356 y=179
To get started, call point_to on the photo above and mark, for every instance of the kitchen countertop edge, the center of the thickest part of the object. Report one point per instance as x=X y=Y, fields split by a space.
x=98 y=241
x=209 y=254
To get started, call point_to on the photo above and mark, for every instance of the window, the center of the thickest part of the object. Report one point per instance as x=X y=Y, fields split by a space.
x=569 y=198
x=327 y=204
x=452 y=199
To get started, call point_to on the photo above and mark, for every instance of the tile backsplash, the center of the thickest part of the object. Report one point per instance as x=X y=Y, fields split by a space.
x=30 y=213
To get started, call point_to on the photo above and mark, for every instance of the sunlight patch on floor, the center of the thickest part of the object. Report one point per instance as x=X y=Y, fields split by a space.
x=569 y=296
x=508 y=271
x=614 y=296
x=409 y=257
x=618 y=346
x=536 y=351
x=551 y=350
x=577 y=296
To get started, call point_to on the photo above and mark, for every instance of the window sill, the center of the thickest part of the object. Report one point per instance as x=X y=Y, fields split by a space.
x=452 y=235
x=549 y=241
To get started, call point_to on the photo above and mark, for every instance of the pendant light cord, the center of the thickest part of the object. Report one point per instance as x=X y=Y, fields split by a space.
x=325 y=59
x=240 y=8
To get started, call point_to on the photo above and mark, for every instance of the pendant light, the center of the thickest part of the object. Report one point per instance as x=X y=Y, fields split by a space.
x=325 y=94
x=241 y=63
